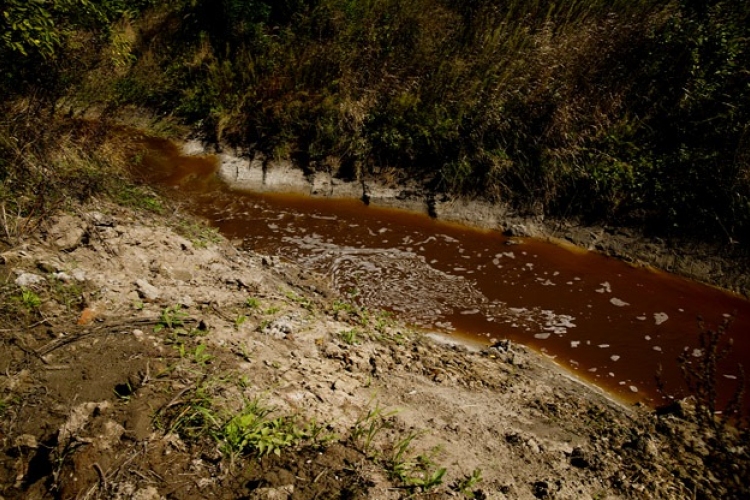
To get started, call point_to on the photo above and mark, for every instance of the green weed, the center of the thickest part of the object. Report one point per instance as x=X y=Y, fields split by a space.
x=199 y=234
x=239 y=321
x=192 y=416
x=67 y=294
x=304 y=302
x=264 y=324
x=415 y=473
x=254 y=432
x=368 y=426
x=350 y=337
x=200 y=356
x=172 y=318
x=340 y=305
x=139 y=197
x=124 y=392
x=466 y=485
x=30 y=300
x=252 y=303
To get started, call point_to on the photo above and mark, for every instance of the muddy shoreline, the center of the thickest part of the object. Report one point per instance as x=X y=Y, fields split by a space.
x=723 y=266
x=135 y=385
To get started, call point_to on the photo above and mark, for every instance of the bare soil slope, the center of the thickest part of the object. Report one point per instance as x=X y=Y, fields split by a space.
x=145 y=357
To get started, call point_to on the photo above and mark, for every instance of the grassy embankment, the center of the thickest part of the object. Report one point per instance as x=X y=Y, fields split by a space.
x=630 y=113
x=623 y=112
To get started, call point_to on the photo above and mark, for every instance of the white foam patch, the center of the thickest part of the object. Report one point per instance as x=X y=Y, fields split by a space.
x=575 y=343
x=614 y=357
x=617 y=302
x=542 y=336
x=605 y=288
x=660 y=318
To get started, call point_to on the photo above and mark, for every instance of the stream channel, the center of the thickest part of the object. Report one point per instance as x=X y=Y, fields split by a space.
x=609 y=323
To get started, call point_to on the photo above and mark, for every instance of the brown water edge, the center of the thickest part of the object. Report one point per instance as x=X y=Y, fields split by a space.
x=609 y=323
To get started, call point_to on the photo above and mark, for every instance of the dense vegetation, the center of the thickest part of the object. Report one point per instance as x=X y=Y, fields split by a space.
x=624 y=111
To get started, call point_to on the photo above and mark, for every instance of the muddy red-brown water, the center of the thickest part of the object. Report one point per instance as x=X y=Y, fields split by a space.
x=609 y=323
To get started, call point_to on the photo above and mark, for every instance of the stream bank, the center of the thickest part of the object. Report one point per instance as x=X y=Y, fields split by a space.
x=154 y=341
x=724 y=266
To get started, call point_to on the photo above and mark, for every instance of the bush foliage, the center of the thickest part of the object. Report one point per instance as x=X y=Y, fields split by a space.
x=629 y=112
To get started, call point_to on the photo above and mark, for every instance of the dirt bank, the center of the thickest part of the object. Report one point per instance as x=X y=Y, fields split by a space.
x=145 y=357
x=723 y=265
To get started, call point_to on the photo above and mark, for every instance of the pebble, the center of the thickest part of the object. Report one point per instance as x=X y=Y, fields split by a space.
x=28 y=280
x=146 y=290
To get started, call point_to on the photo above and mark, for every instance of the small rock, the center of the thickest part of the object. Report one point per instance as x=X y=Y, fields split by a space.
x=181 y=275
x=64 y=277
x=79 y=275
x=149 y=493
x=346 y=386
x=101 y=220
x=28 y=280
x=502 y=345
x=533 y=446
x=278 y=329
x=147 y=291
x=186 y=301
x=26 y=442
x=282 y=493
x=68 y=234
x=110 y=436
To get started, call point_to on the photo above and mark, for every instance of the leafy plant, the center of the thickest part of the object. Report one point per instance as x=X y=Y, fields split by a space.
x=254 y=432
x=417 y=473
x=30 y=300
x=239 y=321
x=199 y=234
x=139 y=197
x=68 y=294
x=466 y=485
x=200 y=356
x=172 y=318
x=304 y=302
x=369 y=425
x=350 y=337
x=192 y=416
